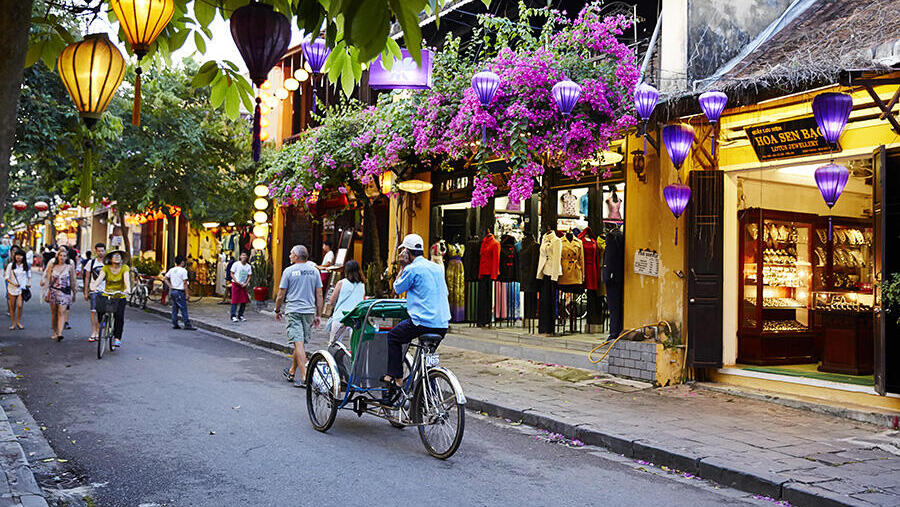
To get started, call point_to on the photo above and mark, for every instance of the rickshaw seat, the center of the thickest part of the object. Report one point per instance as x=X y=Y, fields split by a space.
x=430 y=341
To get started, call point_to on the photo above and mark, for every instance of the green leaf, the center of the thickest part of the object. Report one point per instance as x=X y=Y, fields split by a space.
x=204 y=76
x=407 y=14
x=34 y=53
x=66 y=36
x=348 y=81
x=51 y=50
x=231 y=5
x=369 y=24
x=177 y=40
x=487 y=3
x=232 y=102
x=217 y=94
x=199 y=42
x=394 y=48
x=204 y=12
x=246 y=96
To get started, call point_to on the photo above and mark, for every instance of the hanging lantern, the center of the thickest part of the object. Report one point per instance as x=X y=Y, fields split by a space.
x=678 y=139
x=485 y=84
x=301 y=75
x=281 y=94
x=831 y=180
x=142 y=21
x=260 y=217
x=677 y=197
x=290 y=83
x=262 y=36
x=264 y=136
x=261 y=190
x=260 y=230
x=315 y=52
x=645 y=99
x=260 y=203
x=41 y=206
x=20 y=205
x=386 y=181
x=566 y=94
x=713 y=103
x=832 y=110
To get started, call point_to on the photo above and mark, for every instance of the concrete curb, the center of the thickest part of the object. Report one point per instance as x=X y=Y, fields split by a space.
x=681 y=458
x=19 y=486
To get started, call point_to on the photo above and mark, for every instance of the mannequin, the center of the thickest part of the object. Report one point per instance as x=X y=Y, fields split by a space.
x=488 y=270
x=613 y=276
x=613 y=203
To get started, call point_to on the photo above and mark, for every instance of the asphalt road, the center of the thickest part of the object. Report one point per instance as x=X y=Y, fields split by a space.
x=139 y=425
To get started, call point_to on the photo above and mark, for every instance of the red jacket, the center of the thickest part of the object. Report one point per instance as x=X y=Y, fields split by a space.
x=591 y=259
x=489 y=264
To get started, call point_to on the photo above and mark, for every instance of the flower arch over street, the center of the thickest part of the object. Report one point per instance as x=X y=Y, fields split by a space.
x=441 y=128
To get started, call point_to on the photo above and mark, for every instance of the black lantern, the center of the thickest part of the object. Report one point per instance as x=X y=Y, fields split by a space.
x=262 y=36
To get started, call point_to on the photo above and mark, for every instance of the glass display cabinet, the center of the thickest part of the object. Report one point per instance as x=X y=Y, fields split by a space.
x=843 y=298
x=776 y=275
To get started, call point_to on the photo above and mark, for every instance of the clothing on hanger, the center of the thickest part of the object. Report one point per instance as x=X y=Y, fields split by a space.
x=584 y=205
x=549 y=257
x=509 y=260
x=570 y=203
x=591 y=259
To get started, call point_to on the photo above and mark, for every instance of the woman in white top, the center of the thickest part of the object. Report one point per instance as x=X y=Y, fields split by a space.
x=348 y=292
x=18 y=277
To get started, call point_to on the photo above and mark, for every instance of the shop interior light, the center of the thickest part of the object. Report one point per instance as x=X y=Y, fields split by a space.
x=263 y=123
x=264 y=109
x=260 y=230
x=261 y=190
x=230 y=224
x=272 y=102
x=385 y=181
x=210 y=225
x=264 y=136
x=414 y=186
x=259 y=244
x=281 y=93
x=266 y=85
x=260 y=203
x=606 y=158
x=260 y=217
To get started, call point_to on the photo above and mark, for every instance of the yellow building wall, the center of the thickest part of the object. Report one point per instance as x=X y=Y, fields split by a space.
x=276 y=243
x=650 y=225
x=409 y=214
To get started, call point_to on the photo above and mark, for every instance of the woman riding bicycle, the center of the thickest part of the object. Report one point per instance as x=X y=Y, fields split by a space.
x=118 y=285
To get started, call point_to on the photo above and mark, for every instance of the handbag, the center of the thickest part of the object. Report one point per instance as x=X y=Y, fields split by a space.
x=26 y=294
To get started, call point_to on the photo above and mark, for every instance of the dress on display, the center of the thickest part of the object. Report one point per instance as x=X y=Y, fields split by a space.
x=570 y=203
x=456 y=283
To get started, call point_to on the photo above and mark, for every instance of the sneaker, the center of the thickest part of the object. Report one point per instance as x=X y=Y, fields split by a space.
x=176 y=326
x=300 y=383
x=117 y=343
x=190 y=328
x=67 y=326
x=234 y=319
x=241 y=318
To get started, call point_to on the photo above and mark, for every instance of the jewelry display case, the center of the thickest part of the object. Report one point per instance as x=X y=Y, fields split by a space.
x=775 y=288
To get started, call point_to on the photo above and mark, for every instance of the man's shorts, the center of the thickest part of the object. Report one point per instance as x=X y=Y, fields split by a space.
x=93 y=297
x=299 y=327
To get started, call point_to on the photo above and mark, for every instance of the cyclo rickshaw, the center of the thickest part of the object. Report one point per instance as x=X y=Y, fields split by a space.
x=430 y=399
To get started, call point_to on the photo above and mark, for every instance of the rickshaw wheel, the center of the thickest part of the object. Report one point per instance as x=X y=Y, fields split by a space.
x=441 y=428
x=320 y=402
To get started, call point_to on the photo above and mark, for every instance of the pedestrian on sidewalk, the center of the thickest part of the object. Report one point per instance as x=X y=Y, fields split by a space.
x=177 y=281
x=91 y=272
x=300 y=297
x=240 y=279
x=59 y=281
x=226 y=294
x=427 y=303
x=348 y=292
x=18 y=279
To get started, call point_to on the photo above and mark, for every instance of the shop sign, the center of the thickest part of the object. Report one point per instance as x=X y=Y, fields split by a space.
x=787 y=139
x=646 y=262
x=404 y=74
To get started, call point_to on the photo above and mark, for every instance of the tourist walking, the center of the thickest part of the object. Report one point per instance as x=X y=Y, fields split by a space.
x=18 y=288
x=91 y=272
x=348 y=293
x=59 y=282
x=240 y=279
x=300 y=298
x=177 y=281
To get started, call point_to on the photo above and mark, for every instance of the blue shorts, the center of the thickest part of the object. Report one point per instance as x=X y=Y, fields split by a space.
x=93 y=297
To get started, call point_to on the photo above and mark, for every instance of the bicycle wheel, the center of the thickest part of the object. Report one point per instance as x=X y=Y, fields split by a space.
x=103 y=340
x=321 y=380
x=143 y=296
x=109 y=340
x=441 y=418
x=407 y=370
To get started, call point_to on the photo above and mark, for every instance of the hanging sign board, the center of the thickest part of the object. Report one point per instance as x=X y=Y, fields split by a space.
x=646 y=262
x=787 y=139
x=404 y=74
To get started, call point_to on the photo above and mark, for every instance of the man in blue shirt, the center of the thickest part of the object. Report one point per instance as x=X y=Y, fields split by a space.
x=426 y=302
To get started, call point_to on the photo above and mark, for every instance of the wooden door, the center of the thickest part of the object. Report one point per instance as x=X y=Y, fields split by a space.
x=705 y=268
x=886 y=210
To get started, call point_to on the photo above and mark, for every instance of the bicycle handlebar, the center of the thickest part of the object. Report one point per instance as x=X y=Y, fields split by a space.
x=114 y=293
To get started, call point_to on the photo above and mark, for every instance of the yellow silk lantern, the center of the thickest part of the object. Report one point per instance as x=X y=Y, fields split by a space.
x=91 y=70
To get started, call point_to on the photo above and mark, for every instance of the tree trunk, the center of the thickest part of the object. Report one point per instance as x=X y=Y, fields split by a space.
x=14 y=26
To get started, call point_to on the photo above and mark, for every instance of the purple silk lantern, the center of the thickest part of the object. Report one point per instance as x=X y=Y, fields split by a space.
x=315 y=52
x=262 y=36
x=832 y=110
x=713 y=103
x=678 y=139
x=677 y=197
x=485 y=84
x=566 y=94
x=831 y=180
x=645 y=99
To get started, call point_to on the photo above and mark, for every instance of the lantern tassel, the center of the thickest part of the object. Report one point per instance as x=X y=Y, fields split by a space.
x=84 y=195
x=257 y=143
x=313 y=80
x=829 y=229
x=136 y=108
x=483 y=135
x=712 y=145
x=644 y=135
x=676 y=235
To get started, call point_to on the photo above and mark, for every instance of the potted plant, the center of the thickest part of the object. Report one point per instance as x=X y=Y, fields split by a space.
x=261 y=279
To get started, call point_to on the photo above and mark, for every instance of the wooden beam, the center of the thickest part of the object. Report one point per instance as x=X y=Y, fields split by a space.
x=884 y=109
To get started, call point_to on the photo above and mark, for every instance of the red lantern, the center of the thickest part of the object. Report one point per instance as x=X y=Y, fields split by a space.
x=20 y=205
x=41 y=206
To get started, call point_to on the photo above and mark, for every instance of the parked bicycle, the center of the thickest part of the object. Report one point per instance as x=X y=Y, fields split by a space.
x=139 y=291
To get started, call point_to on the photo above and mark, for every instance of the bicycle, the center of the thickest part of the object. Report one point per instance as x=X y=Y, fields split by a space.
x=139 y=293
x=106 y=323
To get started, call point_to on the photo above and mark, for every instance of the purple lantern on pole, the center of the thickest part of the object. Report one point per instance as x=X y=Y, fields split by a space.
x=831 y=180
x=315 y=52
x=485 y=84
x=678 y=139
x=566 y=94
x=645 y=99
x=677 y=197
x=262 y=37
x=832 y=110
x=713 y=103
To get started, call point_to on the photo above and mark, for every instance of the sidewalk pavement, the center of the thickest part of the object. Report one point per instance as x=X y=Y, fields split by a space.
x=18 y=486
x=801 y=457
